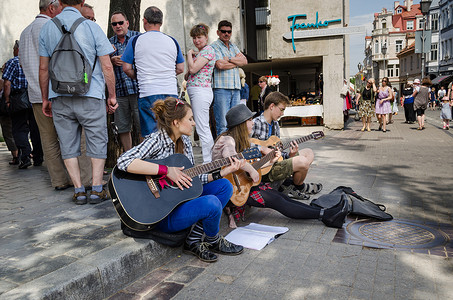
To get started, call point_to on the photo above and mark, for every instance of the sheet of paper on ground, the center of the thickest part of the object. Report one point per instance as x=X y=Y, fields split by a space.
x=255 y=236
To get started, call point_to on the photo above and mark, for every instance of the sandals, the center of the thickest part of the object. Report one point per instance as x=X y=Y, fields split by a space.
x=311 y=188
x=98 y=196
x=80 y=198
x=293 y=192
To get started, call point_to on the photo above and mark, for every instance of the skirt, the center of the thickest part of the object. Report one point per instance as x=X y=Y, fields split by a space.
x=366 y=109
x=445 y=113
x=383 y=108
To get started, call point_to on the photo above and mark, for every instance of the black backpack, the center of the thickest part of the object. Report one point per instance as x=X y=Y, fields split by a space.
x=358 y=205
x=69 y=70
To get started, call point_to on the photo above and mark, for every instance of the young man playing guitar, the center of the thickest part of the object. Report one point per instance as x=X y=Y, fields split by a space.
x=175 y=122
x=296 y=163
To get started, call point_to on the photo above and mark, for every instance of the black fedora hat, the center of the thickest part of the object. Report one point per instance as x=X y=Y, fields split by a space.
x=237 y=115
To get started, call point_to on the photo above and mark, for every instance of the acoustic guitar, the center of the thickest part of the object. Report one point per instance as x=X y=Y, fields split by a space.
x=275 y=142
x=242 y=183
x=140 y=200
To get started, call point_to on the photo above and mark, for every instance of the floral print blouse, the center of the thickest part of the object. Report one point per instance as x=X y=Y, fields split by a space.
x=203 y=77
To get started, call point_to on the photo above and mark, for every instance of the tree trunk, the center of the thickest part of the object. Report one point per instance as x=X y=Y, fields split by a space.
x=131 y=9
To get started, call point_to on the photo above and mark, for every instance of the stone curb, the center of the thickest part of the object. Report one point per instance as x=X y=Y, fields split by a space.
x=99 y=275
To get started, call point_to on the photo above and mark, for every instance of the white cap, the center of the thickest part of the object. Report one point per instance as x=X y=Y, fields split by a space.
x=416 y=81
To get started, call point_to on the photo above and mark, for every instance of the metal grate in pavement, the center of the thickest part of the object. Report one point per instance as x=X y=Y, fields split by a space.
x=434 y=239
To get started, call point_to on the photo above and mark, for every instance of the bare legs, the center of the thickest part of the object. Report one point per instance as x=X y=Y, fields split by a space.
x=72 y=165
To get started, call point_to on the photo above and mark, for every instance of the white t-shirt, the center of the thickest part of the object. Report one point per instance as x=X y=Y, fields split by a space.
x=156 y=56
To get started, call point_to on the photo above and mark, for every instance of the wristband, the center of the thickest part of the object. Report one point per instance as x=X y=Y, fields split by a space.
x=163 y=170
x=216 y=175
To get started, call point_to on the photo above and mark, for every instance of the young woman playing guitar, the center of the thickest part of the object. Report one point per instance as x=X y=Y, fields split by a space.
x=236 y=139
x=175 y=122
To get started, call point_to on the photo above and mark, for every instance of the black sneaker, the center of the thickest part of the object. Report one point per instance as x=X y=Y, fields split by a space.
x=222 y=246
x=200 y=250
x=23 y=164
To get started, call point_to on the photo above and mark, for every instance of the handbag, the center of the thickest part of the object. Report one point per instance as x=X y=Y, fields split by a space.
x=19 y=100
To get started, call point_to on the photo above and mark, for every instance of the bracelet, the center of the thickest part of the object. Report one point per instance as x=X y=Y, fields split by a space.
x=216 y=175
x=163 y=170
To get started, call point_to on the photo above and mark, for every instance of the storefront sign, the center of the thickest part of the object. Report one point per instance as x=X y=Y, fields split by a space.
x=317 y=24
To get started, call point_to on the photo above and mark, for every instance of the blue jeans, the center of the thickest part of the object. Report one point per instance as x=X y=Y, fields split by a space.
x=207 y=208
x=224 y=99
x=148 y=122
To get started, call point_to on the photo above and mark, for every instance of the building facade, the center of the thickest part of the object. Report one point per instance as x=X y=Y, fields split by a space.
x=305 y=43
x=446 y=37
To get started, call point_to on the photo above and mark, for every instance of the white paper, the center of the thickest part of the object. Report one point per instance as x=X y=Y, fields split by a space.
x=255 y=236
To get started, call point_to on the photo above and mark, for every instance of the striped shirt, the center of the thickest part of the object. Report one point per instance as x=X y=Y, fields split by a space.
x=226 y=79
x=14 y=73
x=157 y=145
x=124 y=86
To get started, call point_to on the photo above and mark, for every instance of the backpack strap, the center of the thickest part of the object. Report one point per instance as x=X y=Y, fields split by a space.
x=76 y=24
x=59 y=25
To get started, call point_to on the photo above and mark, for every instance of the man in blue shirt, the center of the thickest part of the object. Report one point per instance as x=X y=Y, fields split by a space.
x=157 y=58
x=71 y=112
x=226 y=84
x=125 y=87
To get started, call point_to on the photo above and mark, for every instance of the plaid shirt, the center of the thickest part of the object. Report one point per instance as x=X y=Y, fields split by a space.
x=225 y=79
x=123 y=84
x=13 y=72
x=157 y=145
x=261 y=130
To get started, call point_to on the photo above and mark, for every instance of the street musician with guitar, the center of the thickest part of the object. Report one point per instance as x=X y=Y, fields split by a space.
x=235 y=140
x=296 y=163
x=175 y=125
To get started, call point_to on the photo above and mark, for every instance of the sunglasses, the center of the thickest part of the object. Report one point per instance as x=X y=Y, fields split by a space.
x=262 y=81
x=225 y=31
x=117 y=23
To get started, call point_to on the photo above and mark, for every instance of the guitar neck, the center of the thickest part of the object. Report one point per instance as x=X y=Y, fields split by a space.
x=300 y=140
x=259 y=164
x=208 y=167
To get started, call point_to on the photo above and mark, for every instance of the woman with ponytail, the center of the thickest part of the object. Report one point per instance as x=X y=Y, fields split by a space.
x=175 y=124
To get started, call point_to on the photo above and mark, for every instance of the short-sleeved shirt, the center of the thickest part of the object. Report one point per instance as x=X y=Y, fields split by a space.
x=203 y=77
x=157 y=145
x=124 y=85
x=29 y=56
x=226 y=79
x=90 y=38
x=14 y=73
x=155 y=55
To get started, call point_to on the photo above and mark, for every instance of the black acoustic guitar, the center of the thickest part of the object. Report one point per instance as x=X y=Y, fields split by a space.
x=141 y=202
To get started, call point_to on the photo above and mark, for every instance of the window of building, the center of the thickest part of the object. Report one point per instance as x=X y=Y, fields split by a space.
x=390 y=71
x=376 y=47
x=399 y=10
x=384 y=23
x=397 y=70
x=433 y=54
x=434 y=21
x=410 y=25
x=420 y=23
x=399 y=45
x=412 y=63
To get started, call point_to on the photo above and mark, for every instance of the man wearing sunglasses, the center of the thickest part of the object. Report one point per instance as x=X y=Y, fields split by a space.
x=227 y=83
x=125 y=87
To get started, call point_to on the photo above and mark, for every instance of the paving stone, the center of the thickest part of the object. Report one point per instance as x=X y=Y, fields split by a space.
x=145 y=284
x=185 y=274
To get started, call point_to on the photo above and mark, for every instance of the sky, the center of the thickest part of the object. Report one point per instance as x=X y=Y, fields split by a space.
x=361 y=13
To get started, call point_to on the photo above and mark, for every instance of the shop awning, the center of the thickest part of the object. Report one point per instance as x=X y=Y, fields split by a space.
x=439 y=79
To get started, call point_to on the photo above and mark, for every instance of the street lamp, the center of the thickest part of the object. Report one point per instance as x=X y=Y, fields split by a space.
x=384 y=52
x=360 y=67
x=424 y=7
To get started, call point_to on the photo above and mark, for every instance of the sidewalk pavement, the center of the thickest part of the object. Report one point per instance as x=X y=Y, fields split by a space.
x=50 y=248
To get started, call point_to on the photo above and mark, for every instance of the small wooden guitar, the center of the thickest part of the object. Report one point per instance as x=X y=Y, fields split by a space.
x=140 y=201
x=242 y=183
x=275 y=142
